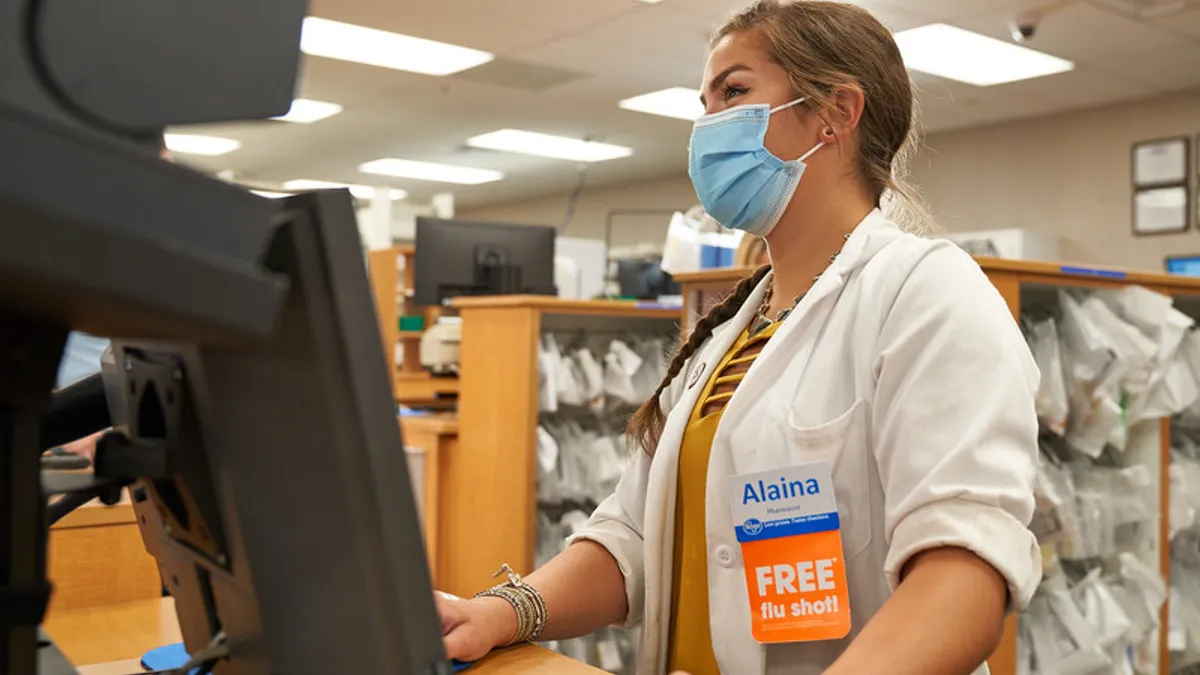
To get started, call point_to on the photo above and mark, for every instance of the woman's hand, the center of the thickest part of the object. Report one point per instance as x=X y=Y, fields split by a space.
x=472 y=628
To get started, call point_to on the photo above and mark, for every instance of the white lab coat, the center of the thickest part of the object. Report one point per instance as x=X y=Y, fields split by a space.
x=902 y=368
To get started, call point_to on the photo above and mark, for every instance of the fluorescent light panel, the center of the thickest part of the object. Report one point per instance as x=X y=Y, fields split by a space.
x=678 y=102
x=360 y=191
x=307 y=111
x=210 y=146
x=438 y=173
x=957 y=54
x=271 y=194
x=546 y=145
x=347 y=42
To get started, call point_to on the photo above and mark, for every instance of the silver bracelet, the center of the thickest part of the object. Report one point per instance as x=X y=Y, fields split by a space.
x=525 y=600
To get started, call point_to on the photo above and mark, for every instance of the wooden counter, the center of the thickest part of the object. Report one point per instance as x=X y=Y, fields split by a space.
x=435 y=437
x=111 y=641
x=96 y=557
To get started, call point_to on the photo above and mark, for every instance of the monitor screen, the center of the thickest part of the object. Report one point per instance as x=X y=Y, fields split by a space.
x=1184 y=265
x=455 y=257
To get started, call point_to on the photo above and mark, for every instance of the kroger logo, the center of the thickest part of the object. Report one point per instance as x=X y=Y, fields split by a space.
x=752 y=526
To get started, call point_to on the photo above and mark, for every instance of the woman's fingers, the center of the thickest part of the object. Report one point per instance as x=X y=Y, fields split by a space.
x=449 y=608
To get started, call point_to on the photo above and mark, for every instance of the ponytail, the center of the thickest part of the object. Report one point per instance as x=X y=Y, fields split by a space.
x=646 y=425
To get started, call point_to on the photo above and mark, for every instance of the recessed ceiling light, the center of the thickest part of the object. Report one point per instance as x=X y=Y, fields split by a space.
x=210 y=146
x=347 y=42
x=545 y=145
x=438 y=173
x=957 y=54
x=306 y=111
x=678 y=102
x=360 y=191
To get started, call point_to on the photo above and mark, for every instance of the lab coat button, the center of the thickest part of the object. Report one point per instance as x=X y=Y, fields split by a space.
x=726 y=556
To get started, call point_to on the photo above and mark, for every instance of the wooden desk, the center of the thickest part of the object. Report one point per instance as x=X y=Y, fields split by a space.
x=436 y=436
x=115 y=632
x=111 y=640
x=97 y=557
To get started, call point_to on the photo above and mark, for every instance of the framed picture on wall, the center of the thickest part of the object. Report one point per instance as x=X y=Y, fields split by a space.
x=1161 y=162
x=1162 y=210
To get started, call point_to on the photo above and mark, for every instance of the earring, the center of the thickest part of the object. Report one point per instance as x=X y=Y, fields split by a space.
x=827 y=133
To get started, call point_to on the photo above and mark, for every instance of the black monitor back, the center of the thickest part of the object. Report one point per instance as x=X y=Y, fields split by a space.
x=453 y=258
x=287 y=522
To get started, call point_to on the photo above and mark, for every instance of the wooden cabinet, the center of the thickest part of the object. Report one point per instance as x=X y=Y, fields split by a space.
x=391 y=275
x=431 y=443
x=491 y=517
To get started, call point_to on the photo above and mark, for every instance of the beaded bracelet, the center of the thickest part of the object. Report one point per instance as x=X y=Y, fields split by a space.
x=525 y=600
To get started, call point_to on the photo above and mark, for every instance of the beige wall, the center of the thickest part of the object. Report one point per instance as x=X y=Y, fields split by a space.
x=1067 y=175
x=595 y=204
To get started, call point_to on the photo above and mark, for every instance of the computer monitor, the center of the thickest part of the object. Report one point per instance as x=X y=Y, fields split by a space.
x=645 y=279
x=1184 y=265
x=276 y=497
x=458 y=257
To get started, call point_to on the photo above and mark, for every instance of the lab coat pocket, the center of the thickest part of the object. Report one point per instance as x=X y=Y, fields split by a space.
x=842 y=442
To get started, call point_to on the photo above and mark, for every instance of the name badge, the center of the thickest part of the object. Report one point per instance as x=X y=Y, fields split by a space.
x=787 y=524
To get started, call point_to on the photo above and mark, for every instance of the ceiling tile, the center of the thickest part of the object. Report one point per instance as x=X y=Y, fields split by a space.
x=1081 y=88
x=949 y=10
x=485 y=26
x=1186 y=23
x=946 y=105
x=1081 y=32
x=564 y=16
x=659 y=28
x=602 y=57
x=1167 y=69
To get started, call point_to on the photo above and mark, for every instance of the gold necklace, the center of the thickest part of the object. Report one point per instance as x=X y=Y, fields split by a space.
x=762 y=321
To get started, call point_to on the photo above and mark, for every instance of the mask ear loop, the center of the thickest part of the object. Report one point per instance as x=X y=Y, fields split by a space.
x=785 y=106
x=810 y=153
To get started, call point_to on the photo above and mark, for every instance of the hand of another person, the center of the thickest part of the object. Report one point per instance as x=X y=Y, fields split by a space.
x=472 y=628
x=84 y=447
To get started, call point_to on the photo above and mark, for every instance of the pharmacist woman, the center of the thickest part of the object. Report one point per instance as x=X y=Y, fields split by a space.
x=837 y=474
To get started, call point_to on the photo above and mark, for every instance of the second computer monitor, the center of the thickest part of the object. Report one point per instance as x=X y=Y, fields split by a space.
x=457 y=257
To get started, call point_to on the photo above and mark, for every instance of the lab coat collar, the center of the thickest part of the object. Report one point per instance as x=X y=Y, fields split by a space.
x=868 y=238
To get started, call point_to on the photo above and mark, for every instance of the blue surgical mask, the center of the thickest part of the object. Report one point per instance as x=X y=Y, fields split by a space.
x=741 y=184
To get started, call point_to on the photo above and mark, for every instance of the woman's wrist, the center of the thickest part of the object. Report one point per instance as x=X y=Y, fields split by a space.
x=501 y=619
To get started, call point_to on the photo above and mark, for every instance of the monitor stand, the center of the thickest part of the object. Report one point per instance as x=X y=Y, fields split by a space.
x=493 y=273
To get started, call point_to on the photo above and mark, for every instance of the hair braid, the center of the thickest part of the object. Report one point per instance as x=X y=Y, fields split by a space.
x=646 y=425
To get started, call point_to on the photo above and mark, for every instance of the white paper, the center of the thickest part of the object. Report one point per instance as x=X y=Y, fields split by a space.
x=1161 y=162
x=1160 y=209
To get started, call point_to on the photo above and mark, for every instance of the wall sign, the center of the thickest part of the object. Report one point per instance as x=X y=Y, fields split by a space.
x=1161 y=162
x=1162 y=210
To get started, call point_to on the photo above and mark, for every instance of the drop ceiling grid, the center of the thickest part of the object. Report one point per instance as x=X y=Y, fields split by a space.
x=627 y=48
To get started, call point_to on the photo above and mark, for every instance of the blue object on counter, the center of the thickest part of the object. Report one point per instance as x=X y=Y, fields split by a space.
x=170 y=657
x=714 y=257
x=1186 y=265
x=1088 y=271
x=174 y=656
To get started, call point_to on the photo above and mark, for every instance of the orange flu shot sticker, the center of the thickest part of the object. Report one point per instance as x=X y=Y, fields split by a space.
x=787 y=524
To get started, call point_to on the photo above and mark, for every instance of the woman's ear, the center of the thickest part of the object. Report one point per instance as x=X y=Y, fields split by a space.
x=844 y=112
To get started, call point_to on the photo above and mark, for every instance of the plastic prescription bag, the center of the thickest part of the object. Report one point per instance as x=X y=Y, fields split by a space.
x=1052 y=404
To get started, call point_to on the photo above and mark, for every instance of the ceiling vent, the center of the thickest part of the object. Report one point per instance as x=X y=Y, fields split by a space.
x=1149 y=9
